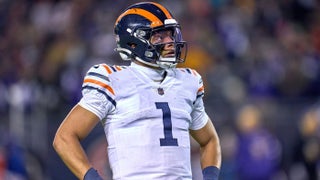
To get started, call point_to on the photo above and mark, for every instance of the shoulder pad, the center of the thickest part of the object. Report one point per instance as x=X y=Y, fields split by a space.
x=105 y=69
x=98 y=78
x=189 y=71
x=195 y=74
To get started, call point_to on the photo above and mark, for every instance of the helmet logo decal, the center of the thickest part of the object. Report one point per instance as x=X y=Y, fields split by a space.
x=148 y=54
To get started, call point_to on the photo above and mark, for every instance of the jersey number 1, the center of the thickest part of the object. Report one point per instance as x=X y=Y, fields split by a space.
x=168 y=139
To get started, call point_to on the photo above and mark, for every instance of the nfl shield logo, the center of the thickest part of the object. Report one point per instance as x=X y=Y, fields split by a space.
x=160 y=91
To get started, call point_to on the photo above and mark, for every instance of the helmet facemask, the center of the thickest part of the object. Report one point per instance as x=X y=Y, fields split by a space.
x=179 y=48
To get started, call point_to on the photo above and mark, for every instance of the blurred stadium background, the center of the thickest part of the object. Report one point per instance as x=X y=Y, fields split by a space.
x=260 y=61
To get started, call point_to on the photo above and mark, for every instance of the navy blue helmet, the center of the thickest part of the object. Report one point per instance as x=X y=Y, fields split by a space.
x=137 y=24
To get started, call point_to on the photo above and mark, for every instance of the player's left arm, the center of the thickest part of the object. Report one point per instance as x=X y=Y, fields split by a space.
x=210 y=150
x=204 y=132
x=209 y=142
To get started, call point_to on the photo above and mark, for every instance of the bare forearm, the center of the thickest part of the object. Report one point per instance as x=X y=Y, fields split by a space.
x=210 y=150
x=75 y=127
x=210 y=155
x=71 y=152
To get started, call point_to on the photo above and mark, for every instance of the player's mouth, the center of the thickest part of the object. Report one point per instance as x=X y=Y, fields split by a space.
x=169 y=54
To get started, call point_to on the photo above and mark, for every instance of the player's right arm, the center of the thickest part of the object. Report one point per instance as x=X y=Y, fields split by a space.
x=75 y=127
x=97 y=100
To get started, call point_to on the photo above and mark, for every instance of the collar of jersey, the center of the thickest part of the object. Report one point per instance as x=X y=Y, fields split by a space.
x=155 y=75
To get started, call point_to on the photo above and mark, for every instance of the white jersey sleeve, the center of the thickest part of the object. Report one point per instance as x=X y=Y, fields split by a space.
x=97 y=91
x=198 y=114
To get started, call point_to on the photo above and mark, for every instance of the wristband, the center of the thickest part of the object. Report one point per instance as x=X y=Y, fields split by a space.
x=92 y=174
x=210 y=173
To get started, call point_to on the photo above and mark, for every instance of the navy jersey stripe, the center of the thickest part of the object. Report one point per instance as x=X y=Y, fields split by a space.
x=98 y=75
x=199 y=95
x=113 y=69
x=99 y=90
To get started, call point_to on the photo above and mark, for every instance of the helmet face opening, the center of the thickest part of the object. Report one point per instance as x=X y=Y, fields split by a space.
x=179 y=51
x=137 y=24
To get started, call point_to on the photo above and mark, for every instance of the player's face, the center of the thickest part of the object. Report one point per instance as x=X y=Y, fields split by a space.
x=164 y=37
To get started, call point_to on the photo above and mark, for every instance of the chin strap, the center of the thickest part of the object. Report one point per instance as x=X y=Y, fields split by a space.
x=167 y=63
x=125 y=54
x=164 y=63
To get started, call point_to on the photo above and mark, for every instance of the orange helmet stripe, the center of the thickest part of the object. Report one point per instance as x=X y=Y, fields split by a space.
x=155 y=21
x=164 y=10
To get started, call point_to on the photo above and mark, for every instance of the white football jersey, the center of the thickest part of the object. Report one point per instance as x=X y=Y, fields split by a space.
x=146 y=123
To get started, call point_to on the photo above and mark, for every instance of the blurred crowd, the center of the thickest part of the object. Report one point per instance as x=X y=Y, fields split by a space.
x=260 y=61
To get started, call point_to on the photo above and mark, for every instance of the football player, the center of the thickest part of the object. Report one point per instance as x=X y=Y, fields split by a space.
x=148 y=109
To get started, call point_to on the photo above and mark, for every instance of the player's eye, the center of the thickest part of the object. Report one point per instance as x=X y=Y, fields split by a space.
x=158 y=37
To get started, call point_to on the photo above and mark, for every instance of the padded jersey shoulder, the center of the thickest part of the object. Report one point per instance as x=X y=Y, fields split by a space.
x=191 y=75
x=97 y=78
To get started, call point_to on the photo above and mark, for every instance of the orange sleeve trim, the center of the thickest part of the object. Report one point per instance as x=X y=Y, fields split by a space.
x=109 y=88
x=118 y=68
x=194 y=72
x=108 y=69
x=201 y=89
